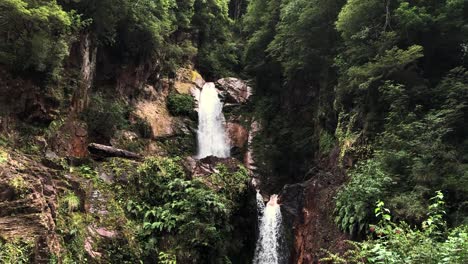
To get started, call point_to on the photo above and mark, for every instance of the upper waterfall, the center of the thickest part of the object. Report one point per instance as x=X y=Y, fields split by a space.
x=212 y=139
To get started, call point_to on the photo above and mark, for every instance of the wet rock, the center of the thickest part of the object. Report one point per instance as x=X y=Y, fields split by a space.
x=292 y=200
x=70 y=140
x=249 y=159
x=238 y=134
x=236 y=91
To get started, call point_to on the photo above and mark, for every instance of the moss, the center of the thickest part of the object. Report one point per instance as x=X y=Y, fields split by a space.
x=20 y=186
x=3 y=156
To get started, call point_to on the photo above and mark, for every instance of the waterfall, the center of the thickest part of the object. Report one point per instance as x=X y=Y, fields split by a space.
x=212 y=139
x=267 y=250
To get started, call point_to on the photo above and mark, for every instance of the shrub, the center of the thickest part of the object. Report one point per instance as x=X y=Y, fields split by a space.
x=143 y=128
x=35 y=34
x=181 y=216
x=15 y=252
x=392 y=242
x=180 y=104
x=105 y=116
x=354 y=201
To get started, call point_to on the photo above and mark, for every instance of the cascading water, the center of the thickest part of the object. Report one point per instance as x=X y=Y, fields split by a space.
x=267 y=250
x=212 y=140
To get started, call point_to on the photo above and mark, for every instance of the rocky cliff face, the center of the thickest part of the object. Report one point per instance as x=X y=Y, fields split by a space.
x=309 y=208
x=34 y=187
x=28 y=203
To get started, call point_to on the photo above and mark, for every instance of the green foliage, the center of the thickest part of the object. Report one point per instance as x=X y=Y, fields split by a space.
x=296 y=44
x=180 y=104
x=105 y=116
x=166 y=258
x=326 y=142
x=71 y=227
x=178 y=215
x=354 y=203
x=20 y=185
x=359 y=16
x=3 y=156
x=400 y=243
x=143 y=128
x=232 y=185
x=35 y=35
x=70 y=201
x=16 y=252
x=217 y=51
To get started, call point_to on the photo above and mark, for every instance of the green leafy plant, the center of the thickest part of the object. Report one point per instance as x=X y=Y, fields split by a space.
x=391 y=242
x=20 y=185
x=16 y=251
x=180 y=104
x=104 y=116
x=70 y=201
x=3 y=156
x=353 y=202
x=166 y=258
x=179 y=215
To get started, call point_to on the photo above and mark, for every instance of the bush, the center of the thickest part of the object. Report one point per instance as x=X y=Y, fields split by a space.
x=15 y=252
x=35 y=34
x=180 y=104
x=179 y=216
x=392 y=242
x=354 y=202
x=104 y=117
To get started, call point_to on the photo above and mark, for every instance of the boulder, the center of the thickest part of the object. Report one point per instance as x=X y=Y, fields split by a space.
x=236 y=91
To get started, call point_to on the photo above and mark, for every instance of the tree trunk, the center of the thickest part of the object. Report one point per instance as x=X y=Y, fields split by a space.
x=103 y=151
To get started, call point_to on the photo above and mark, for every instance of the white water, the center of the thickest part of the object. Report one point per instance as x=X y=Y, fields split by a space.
x=268 y=247
x=212 y=139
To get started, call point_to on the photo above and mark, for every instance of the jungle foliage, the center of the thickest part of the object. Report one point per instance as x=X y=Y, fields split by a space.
x=183 y=218
x=398 y=242
x=387 y=79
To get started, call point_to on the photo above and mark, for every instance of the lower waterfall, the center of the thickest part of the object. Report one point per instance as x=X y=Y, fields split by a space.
x=267 y=250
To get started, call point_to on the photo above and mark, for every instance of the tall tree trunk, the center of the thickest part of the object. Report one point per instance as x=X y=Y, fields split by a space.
x=88 y=52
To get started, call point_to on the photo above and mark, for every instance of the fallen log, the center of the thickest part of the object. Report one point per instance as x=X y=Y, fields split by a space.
x=103 y=151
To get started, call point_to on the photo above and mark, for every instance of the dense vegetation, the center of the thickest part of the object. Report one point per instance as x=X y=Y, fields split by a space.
x=161 y=214
x=36 y=35
x=386 y=78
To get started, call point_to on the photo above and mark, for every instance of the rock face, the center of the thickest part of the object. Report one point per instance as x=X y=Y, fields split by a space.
x=23 y=99
x=311 y=205
x=238 y=135
x=236 y=91
x=88 y=52
x=71 y=140
x=153 y=109
x=249 y=159
x=28 y=204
